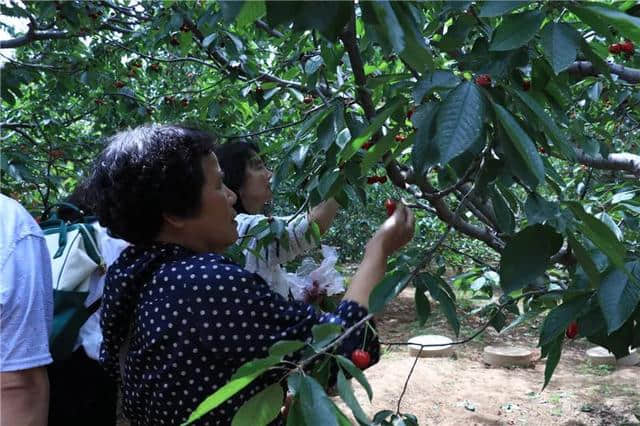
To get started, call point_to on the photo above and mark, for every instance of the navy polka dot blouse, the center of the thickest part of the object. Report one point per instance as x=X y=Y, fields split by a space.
x=193 y=319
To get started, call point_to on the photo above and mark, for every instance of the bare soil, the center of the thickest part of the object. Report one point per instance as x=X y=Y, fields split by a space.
x=462 y=390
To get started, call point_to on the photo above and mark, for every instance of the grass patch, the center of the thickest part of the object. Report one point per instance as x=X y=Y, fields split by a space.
x=596 y=370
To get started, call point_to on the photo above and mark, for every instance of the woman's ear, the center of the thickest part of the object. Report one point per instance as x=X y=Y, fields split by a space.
x=172 y=221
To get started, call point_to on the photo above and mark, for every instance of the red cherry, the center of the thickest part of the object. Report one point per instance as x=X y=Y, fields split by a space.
x=367 y=145
x=400 y=137
x=382 y=179
x=371 y=180
x=627 y=47
x=572 y=330
x=483 y=80
x=390 y=205
x=308 y=99
x=541 y=150
x=615 y=48
x=526 y=85
x=410 y=113
x=118 y=84
x=56 y=153
x=361 y=358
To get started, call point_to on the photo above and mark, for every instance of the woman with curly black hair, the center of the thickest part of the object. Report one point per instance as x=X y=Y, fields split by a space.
x=192 y=316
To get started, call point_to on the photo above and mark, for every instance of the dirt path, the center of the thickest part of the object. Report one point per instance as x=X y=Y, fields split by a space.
x=440 y=388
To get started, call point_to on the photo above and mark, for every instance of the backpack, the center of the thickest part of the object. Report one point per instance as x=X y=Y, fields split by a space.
x=75 y=258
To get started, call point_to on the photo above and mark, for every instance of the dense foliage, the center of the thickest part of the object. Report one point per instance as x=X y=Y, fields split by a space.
x=513 y=123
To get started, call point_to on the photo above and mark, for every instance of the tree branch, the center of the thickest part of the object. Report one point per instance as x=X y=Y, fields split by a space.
x=263 y=26
x=32 y=36
x=622 y=161
x=630 y=75
x=350 y=42
x=446 y=215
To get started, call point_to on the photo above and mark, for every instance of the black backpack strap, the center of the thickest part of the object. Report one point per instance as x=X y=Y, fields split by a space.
x=92 y=308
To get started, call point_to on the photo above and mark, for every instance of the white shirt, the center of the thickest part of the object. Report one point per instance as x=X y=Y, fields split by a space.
x=267 y=264
x=90 y=336
x=26 y=294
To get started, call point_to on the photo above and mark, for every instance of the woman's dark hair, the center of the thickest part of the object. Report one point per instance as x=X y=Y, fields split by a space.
x=77 y=199
x=147 y=172
x=233 y=158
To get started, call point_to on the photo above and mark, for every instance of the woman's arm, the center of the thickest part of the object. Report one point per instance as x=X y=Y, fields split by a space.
x=393 y=234
x=274 y=253
x=324 y=213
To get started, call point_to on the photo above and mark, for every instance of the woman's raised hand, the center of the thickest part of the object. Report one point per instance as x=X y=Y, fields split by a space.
x=396 y=231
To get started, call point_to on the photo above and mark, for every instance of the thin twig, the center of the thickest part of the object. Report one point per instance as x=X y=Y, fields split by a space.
x=406 y=382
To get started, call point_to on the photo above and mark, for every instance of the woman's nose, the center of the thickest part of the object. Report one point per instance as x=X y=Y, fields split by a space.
x=231 y=195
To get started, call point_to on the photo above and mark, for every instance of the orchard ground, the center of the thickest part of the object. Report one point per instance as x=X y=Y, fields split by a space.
x=462 y=390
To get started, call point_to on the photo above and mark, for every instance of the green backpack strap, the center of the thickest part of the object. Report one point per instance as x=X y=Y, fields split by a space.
x=71 y=314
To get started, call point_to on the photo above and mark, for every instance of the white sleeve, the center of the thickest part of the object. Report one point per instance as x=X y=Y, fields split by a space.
x=26 y=305
x=275 y=253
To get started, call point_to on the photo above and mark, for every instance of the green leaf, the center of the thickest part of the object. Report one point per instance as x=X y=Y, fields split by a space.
x=323 y=334
x=390 y=286
x=584 y=259
x=383 y=19
x=328 y=18
x=611 y=224
x=460 y=121
x=493 y=8
x=255 y=366
x=315 y=405
x=600 y=15
x=356 y=373
x=516 y=30
x=346 y=393
x=250 y=12
x=416 y=53
x=522 y=143
x=559 y=138
x=313 y=64
x=285 y=347
x=430 y=82
x=295 y=416
x=560 y=44
x=261 y=409
x=313 y=120
x=619 y=296
x=599 y=234
x=425 y=152
x=352 y=147
x=458 y=32
x=437 y=289
x=559 y=319
x=554 y=350
x=221 y=395
x=343 y=420
x=423 y=306
x=376 y=152
x=326 y=183
x=504 y=215
x=539 y=210
x=527 y=256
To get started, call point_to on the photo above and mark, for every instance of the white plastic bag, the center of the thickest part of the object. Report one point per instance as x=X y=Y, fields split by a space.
x=311 y=282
